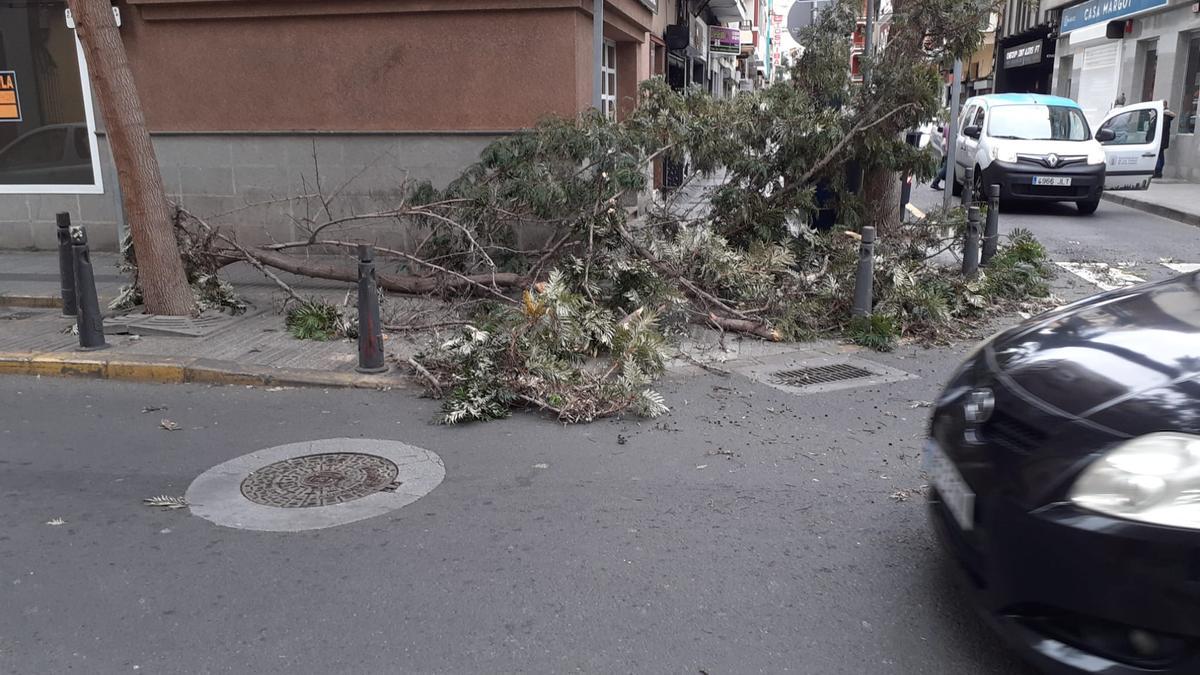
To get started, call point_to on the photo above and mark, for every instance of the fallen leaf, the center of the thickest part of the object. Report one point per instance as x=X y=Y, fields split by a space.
x=153 y=408
x=701 y=466
x=921 y=404
x=166 y=502
x=56 y=521
x=541 y=466
x=168 y=424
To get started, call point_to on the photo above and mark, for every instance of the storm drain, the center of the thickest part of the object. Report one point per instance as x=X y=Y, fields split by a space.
x=802 y=377
x=320 y=480
x=806 y=372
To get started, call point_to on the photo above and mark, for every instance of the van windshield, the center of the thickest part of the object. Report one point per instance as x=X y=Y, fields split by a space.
x=1038 y=123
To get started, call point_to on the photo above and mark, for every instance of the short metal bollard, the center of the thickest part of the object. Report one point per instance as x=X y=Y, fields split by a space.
x=968 y=188
x=89 y=320
x=864 y=279
x=370 y=330
x=66 y=268
x=991 y=229
x=971 y=245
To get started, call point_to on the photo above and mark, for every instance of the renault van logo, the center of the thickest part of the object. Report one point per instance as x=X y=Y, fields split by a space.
x=1052 y=160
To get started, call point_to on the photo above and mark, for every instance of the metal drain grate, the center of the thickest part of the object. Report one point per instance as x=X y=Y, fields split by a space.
x=803 y=377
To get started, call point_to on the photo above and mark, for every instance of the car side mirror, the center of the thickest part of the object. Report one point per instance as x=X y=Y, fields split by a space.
x=972 y=131
x=1105 y=135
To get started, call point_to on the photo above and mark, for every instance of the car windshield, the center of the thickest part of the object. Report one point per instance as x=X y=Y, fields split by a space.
x=1038 y=123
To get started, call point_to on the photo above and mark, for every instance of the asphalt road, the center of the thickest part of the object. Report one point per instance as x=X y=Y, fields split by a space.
x=641 y=546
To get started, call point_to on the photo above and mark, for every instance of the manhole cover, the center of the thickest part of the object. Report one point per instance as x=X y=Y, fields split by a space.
x=314 y=484
x=802 y=377
x=319 y=480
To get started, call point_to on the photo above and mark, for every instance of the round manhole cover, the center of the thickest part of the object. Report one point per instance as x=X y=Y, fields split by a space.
x=314 y=484
x=320 y=480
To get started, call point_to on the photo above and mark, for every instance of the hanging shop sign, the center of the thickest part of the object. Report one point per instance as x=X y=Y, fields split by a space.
x=699 y=41
x=10 y=103
x=1097 y=11
x=722 y=40
x=1023 y=55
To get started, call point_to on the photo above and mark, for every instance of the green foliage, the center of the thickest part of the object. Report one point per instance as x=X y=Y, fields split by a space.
x=1020 y=270
x=557 y=351
x=313 y=320
x=875 y=331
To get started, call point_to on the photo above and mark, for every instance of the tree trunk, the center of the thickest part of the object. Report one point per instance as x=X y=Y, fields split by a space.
x=881 y=192
x=160 y=269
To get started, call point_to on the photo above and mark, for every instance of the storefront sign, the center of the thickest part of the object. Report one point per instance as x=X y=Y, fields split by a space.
x=1023 y=55
x=1098 y=11
x=722 y=40
x=699 y=43
x=10 y=105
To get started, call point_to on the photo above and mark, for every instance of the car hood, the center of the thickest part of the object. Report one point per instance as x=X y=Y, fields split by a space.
x=1062 y=148
x=1128 y=360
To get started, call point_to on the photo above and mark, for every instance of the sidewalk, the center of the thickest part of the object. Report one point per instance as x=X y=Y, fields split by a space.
x=1168 y=199
x=254 y=348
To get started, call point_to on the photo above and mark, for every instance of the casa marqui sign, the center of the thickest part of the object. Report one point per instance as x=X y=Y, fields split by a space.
x=1023 y=55
x=1097 y=11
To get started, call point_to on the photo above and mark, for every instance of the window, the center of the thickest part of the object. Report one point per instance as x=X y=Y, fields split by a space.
x=978 y=121
x=1038 y=123
x=47 y=139
x=1191 y=89
x=1149 y=72
x=968 y=116
x=1135 y=127
x=608 y=81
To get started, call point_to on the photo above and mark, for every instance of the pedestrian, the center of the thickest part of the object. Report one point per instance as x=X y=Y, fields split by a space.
x=941 y=176
x=1168 y=117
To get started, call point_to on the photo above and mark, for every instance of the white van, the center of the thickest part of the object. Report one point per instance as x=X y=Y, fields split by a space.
x=1038 y=147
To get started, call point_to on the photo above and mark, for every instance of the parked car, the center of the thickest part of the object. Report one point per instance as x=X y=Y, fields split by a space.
x=1038 y=147
x=1064 y=456
x=55 y=154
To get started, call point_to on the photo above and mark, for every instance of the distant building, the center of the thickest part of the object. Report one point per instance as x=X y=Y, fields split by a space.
x=1157 y=56
x=240 y=95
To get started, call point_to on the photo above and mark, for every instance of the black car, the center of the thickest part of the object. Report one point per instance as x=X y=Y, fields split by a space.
x=1065 y=460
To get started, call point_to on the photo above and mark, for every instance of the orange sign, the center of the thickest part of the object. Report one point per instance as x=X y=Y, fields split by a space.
x=10 y=105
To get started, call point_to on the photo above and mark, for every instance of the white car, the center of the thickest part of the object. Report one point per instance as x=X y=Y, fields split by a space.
x=1038 y=147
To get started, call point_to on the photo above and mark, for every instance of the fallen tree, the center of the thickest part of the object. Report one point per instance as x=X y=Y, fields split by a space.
x=579 y=324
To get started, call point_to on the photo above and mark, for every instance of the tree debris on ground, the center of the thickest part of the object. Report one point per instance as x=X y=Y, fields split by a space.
x=580 y=325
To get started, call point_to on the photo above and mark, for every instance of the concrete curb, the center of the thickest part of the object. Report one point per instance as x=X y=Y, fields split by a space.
x=31 y=301
x=172 y=370
x=1154 y=209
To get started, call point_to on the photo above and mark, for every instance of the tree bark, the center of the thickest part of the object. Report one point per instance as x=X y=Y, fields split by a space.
x=160 y=269
x=881 y=192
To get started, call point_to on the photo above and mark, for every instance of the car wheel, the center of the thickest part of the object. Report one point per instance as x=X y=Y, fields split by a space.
x=955 y=187
x=1088 y=206
x=979 y=195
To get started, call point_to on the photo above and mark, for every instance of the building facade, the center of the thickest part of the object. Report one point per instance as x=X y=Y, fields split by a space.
x=249 y=103
x=1154 y=53
x=1025 y=46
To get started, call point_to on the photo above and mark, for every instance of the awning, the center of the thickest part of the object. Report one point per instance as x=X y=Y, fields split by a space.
x=729 y=10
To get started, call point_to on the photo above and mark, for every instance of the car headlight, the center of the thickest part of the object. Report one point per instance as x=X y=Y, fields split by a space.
x=1096 y=156
x=1153 y=478
x=1003 y=154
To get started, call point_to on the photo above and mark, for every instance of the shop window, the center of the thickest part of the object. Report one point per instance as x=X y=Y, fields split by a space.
x=608 y=83
x=1136 y=127
x=1191 y=89
x=47 y=131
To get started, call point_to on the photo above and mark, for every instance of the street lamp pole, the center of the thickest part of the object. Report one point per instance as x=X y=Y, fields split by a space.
x=598 y=54
x=952 y=133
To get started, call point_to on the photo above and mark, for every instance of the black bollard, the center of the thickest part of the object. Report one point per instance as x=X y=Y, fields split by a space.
x=864 y=279
x=968 y=188
x=370 y=331
x=971 y=246
x=89 y=319
x=66 y=267
x=991 y=230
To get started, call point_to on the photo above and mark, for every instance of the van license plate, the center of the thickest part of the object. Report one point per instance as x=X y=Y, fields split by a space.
x=1051 y=180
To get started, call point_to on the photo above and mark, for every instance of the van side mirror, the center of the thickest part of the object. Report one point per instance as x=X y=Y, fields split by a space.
x=972 y=131
x=1105 y=135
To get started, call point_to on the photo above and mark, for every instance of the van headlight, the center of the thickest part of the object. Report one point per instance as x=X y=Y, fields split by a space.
x=1153 y=478
x=1096 y=156
x=1002 y=154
